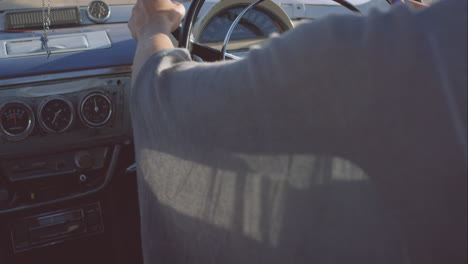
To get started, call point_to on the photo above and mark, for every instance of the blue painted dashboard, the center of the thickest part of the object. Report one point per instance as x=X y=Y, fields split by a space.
x=121 y=53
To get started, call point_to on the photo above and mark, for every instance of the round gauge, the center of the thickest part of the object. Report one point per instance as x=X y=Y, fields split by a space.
x=98 y=11
x=96 y=109
x=16 y=120
x=56 y=114
x=254 y=24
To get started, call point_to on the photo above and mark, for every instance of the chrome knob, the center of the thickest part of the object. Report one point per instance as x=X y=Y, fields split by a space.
x=83 y=178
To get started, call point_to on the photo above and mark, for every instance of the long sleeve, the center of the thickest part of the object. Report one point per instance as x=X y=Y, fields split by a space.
x=370 y=90
x=328 y=87
x=298 y=93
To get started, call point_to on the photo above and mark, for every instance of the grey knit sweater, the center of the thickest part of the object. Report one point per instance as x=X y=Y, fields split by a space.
x=341 y=141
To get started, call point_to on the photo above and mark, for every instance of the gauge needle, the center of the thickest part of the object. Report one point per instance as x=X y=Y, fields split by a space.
x=96 y=108
x=56 y=115
x=14 y=118
x=102 y=10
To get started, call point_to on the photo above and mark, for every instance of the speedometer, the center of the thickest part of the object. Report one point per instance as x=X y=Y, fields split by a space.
x=255 y=23
x=16 y=120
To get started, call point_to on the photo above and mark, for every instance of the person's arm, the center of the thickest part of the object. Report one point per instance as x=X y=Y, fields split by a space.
x=270 y=101
x=416 y=4
x=332 y=86
x=311 y=89
x=151 y=24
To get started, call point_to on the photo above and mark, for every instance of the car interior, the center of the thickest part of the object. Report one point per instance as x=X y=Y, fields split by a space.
x=68 y=190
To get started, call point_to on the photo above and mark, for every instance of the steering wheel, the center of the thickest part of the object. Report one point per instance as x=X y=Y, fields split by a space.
x=210 y=54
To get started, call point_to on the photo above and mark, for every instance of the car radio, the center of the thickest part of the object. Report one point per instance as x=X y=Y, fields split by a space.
x=55 y=227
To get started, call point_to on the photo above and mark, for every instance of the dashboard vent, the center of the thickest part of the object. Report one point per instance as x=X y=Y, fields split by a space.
x=33 y=19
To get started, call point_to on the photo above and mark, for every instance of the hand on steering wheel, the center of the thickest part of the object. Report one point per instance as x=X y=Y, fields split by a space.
x=151 y=17
x=155 y=16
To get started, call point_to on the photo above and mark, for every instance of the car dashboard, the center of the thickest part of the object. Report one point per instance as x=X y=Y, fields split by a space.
x=65 y=135
x=66 y=114
x=60 y=109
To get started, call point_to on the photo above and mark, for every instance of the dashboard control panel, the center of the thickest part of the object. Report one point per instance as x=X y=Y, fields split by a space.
x=41 y=179
x=55 y=114
x=61 y=115
x=54 y=164
x=59 y=138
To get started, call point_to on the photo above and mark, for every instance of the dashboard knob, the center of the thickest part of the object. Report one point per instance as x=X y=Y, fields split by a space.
x=83 y=178
x=84 y=160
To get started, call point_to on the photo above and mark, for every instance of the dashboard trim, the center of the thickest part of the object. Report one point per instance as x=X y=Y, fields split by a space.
x=65 y=75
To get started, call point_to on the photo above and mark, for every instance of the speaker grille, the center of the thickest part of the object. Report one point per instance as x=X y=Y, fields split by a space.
x=34 y=19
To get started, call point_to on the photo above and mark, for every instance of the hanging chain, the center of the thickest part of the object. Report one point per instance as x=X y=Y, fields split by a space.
x=46 y=26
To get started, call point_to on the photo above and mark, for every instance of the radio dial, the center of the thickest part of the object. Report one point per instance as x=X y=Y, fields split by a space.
x=84 y=160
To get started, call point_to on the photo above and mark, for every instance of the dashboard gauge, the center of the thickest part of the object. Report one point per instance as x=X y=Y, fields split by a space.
x=16 y=120
x=56 y=114
x=98 y=11
x=96 y=109
x=254 y=24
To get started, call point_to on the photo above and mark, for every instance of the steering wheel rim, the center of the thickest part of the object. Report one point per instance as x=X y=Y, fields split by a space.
x=210 y=54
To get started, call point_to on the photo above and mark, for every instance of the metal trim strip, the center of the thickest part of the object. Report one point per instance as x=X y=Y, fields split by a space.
x=64 y=75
